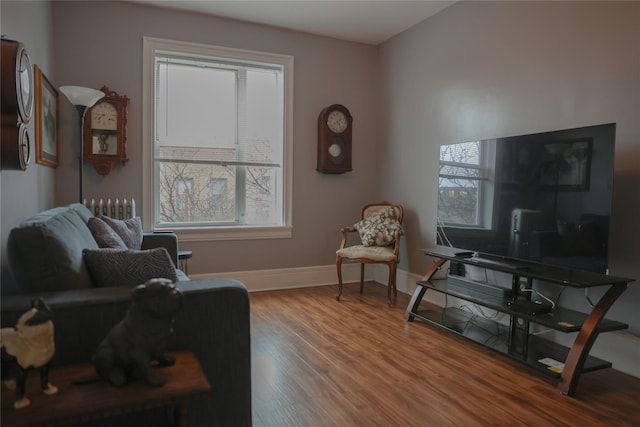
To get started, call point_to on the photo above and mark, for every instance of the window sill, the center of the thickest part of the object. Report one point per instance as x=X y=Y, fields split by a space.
x=206 y=234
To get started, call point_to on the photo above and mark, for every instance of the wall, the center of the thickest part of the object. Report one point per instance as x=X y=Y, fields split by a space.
x=24 y=193
x=98 y=43
x=492 y=69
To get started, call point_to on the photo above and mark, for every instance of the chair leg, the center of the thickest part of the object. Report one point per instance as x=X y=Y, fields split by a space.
x=339 y=268
x=395 y=287
x=391 y=286
x=361 y=277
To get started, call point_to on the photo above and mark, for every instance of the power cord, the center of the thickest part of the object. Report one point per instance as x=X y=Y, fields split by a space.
x=553 y=304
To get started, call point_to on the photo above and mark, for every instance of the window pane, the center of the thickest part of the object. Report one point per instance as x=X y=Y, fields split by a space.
x=458 y=188
x=459 y=171
x=467 y=152
x=196 y=107
x=458 y=202
x=186 y=196
x=263 y=203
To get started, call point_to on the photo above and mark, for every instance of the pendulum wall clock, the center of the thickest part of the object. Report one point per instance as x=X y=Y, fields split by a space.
x=105 y=132
x=334 y=140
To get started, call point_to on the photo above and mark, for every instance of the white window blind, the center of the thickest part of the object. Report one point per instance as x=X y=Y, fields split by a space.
x=211 y=111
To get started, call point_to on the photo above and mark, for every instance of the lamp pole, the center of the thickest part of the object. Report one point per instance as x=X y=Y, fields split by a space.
x=82 y=98
x=82 y=109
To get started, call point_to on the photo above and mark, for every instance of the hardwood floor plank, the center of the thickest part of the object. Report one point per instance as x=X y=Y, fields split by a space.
x=356 y=362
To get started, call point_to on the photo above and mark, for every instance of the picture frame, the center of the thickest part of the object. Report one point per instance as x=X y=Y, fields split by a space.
x=46 y=114
x=566 y=166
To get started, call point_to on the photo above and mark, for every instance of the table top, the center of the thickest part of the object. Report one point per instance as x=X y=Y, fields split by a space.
x=184 y=380
x=185 y=254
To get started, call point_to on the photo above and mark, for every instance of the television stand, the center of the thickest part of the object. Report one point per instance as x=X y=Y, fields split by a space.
x=514 y=339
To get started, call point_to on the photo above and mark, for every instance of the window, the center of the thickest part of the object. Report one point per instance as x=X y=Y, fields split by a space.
x=465 y=187
x=218 y=129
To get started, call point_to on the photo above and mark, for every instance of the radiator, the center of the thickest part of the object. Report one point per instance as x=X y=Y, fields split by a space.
x=119 y=209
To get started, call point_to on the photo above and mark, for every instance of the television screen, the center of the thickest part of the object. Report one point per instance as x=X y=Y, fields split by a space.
x=543 y=197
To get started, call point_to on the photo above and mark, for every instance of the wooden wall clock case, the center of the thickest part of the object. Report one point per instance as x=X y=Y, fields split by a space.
x=17 y=105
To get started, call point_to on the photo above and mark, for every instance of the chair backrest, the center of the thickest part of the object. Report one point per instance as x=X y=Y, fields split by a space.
x=372 y=208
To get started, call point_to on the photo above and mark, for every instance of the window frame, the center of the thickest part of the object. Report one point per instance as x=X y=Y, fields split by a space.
x=153 y=45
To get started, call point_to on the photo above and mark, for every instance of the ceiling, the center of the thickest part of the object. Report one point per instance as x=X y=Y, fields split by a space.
x=363 y=21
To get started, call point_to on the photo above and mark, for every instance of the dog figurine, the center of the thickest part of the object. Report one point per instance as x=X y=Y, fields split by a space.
x=30 y=344
x=141 y=337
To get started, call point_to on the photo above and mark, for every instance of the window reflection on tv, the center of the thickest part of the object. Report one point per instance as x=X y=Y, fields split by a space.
x=543 y=197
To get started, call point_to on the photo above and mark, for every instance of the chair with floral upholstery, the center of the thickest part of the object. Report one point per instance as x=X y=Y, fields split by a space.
x=380 y=229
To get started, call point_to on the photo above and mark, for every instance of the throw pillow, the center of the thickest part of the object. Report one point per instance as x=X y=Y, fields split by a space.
x=127 y=267
x=105 y=236
x=379 y=229
x=129 y=230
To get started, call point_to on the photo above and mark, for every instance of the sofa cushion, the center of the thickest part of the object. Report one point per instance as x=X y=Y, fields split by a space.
x=105 y=236
x=45 y=252
x=128 y=267
x=129 y=230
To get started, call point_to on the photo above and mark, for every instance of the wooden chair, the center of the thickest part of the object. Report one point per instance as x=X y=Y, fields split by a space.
x=373 y=254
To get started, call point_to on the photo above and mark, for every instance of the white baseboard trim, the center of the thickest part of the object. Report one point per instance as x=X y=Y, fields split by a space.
x=290 y=278
x=619 y=347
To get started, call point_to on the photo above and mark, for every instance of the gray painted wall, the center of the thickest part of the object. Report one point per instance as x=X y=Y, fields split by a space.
x=493 y=69
x=25 y=193
x=100 y=43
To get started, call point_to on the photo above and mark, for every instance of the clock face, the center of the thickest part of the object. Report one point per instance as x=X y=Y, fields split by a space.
x=104 y=116
x=25 y=85
x=337 y=121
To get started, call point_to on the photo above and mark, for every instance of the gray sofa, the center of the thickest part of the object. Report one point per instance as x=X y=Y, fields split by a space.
x=45 y=258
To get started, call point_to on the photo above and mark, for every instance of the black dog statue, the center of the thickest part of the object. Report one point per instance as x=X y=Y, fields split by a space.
x=30 y=344
x=141 y=337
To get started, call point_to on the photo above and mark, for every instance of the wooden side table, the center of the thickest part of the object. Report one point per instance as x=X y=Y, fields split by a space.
x=183 y=256
x=75 y=403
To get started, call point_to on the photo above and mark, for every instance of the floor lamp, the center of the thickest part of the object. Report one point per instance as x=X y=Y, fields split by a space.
x=82 y=98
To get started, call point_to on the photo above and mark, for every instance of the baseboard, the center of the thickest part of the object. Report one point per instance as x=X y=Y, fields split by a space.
x=304 y=277
x=322 y=275
x=290 y=278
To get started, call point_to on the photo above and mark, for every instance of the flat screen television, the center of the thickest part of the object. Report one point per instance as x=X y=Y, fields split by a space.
x=543 y=197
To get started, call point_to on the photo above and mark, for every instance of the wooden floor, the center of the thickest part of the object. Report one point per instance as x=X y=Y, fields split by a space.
x=319 y=362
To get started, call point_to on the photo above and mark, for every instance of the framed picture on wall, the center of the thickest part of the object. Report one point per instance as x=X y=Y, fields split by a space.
x=46 y=103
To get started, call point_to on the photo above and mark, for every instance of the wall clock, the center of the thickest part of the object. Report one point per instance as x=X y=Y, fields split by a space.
x=17 y=81
x=16 y=146
x=334 y=140
x=16 y=92
x=105 y=132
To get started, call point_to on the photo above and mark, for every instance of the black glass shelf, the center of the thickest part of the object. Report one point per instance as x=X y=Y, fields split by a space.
x=495 y=336
x=554 y=274
x=560 y=319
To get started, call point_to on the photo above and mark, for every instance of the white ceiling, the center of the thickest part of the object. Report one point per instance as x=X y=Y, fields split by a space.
x=363 y=21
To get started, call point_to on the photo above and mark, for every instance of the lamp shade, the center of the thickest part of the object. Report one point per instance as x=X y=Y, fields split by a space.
x=79 y=95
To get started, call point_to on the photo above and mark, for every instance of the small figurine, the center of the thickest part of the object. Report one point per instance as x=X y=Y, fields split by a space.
x=142 y=336
x=28 y=345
